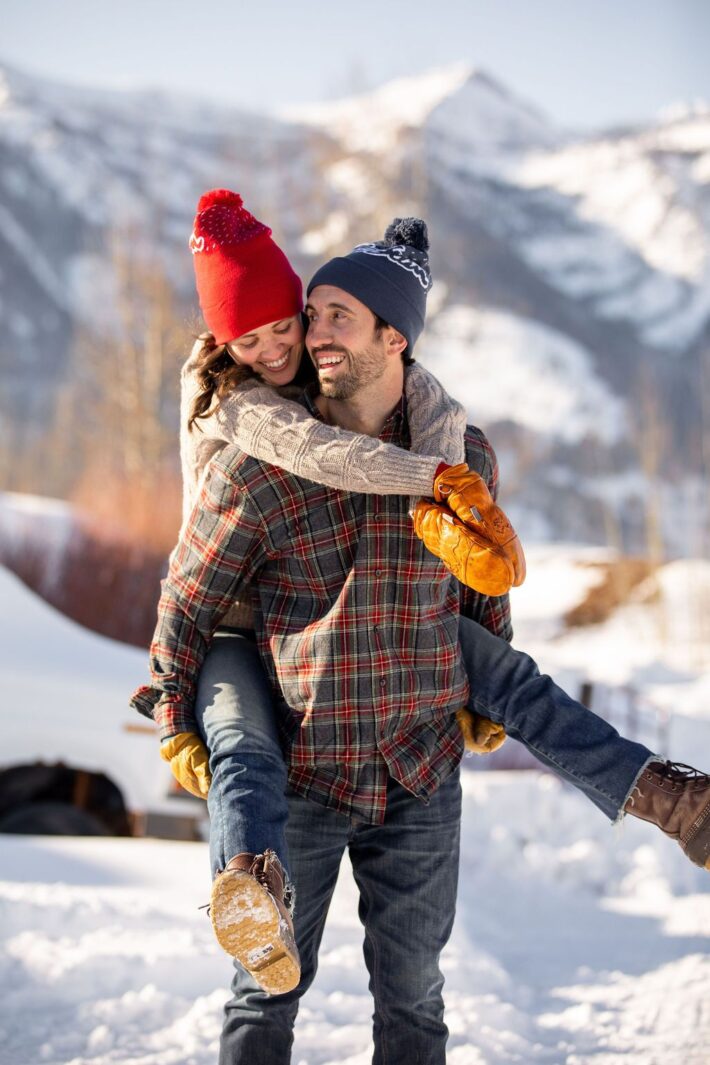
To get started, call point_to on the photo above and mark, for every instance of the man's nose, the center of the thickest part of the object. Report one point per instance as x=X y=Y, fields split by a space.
x=318 y=333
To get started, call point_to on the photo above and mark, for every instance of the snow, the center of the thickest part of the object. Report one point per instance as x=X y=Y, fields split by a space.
x=36 y=524
x=32 y=257
x=516 y=369
x=319 y=241
x=656 y=646
x=93 y=290
x=370 y=122
x=457 y=104
x=575 y=943
x=484 y=116
x=639 y=197
x=618 y=185
x=68 y=690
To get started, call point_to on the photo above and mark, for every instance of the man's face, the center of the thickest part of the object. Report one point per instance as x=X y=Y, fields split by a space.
x=348 y=351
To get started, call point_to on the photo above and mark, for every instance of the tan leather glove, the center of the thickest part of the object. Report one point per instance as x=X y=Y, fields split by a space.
x=471 y=557
x=189 y=762
x=480 y=734
x=466 y=493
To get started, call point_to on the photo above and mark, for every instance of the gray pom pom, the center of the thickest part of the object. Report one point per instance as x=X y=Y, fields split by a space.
x=410 y=231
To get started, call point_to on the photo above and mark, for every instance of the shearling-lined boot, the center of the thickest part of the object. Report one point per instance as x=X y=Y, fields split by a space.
x=676 y=797
x=252 y=923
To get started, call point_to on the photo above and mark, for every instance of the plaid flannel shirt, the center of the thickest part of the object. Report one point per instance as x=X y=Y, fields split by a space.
x=357 y=624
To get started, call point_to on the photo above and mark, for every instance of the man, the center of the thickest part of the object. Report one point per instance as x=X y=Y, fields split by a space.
x=358 y=625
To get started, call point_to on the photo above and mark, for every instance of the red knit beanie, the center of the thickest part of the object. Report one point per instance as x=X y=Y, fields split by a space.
x=243 y=279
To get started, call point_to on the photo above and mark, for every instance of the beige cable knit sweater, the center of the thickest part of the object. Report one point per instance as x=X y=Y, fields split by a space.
x=266 y=424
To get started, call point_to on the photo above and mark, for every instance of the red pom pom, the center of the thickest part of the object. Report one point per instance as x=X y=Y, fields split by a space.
x=215 y=196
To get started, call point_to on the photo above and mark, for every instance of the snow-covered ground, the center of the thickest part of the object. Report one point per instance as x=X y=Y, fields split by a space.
x=575 y=943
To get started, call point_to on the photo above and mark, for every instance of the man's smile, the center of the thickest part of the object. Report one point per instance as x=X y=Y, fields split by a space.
x=326 y=359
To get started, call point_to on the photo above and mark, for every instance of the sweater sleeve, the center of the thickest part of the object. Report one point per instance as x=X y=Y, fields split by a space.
x=281 y=432
x=437 y=422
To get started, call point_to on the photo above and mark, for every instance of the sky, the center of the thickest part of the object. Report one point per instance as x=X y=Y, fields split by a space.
x=585 y=63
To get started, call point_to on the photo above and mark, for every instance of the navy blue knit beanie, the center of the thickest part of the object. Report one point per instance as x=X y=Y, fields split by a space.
x=390 y=276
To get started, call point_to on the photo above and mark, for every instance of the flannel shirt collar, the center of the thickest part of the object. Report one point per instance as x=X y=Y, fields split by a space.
x=395 y=427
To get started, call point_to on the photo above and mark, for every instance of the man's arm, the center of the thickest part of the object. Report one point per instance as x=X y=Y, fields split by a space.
x=491 y=612
x=220 y=548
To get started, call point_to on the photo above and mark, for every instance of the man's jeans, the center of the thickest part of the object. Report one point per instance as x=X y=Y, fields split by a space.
x=235 y=715
x=406 y=871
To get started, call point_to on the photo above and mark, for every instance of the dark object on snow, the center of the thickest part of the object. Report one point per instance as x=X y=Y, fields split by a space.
x=57 y=800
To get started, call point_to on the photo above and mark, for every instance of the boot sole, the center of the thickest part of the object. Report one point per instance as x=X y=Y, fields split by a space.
x=248 y=926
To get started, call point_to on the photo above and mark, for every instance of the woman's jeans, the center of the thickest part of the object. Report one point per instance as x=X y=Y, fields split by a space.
x=582 y=748
x=235 y=716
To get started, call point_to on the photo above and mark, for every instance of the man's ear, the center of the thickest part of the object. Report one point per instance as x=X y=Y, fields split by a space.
x=395 y=343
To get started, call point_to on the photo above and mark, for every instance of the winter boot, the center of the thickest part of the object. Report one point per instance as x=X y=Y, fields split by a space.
x=251 y=921
x=676 y=797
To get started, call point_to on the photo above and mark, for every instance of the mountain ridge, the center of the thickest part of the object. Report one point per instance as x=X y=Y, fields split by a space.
x=592 y=247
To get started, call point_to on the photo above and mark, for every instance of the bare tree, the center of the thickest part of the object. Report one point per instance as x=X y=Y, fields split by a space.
x=124 y=398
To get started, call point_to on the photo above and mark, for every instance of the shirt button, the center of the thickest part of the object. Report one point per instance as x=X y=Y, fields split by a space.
x=378 y=572
x=383 y=682
x=377 y=517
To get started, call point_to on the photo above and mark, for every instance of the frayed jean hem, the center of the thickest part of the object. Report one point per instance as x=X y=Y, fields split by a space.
x=623 y=811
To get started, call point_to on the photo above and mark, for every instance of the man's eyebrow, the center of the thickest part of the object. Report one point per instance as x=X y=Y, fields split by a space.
x=328 y=306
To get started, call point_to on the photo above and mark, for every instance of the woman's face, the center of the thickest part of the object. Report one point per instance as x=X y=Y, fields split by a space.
x=273 y=351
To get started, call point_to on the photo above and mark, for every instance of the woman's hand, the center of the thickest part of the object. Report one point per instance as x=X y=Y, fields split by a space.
x=189 y=762
x=467 y=552
x=480 y=734
x=467 y=495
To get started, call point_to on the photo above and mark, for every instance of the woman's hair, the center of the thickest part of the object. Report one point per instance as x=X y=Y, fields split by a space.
x=218 y=374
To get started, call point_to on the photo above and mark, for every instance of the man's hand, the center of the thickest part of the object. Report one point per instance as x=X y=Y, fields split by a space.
x=189 y=762
x=465 y=551
x=466 y=493
x=480 y=734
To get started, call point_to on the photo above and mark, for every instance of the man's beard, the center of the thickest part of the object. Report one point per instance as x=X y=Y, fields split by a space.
x=364 y=368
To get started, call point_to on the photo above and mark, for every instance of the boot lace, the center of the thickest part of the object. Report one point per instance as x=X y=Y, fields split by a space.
x=681 y=773
x=262 y=865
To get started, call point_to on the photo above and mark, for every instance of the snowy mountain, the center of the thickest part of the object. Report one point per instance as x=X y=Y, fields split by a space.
x=571 y=306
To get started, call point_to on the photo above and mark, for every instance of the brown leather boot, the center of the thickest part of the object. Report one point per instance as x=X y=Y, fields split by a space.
x=676 y=798
x=251 y=921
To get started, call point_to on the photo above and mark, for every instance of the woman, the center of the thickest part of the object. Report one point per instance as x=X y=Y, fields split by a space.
x=251 y=301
